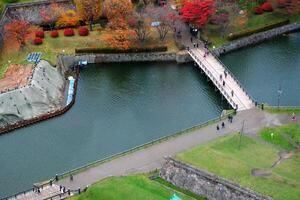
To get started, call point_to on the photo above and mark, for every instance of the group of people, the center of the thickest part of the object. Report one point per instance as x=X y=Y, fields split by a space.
x=230 y=119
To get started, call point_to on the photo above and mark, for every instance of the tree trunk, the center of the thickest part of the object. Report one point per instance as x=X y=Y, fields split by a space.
x=91 y=25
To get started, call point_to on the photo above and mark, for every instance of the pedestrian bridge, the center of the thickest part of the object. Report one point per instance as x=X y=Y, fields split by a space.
x=222 y=78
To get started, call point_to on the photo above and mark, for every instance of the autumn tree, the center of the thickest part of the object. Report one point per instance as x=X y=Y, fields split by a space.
x=118 y=39
x=50 y=14
x=68 y=18
x=89 y=10
x=197 y=12
x=166 y=18
x=16 y=31
x=140 y=24
x=117 y=11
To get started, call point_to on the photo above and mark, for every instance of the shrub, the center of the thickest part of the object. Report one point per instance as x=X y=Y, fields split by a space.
x=258 y=10
x=40 y=34
x=54 y=34
x=267 y=7
x=233 y=36
x=260 y=2
x=38 y=41
x=83 y=31
x=115 y=50
x=281 y=3
x=68 y=32
x=1 y=7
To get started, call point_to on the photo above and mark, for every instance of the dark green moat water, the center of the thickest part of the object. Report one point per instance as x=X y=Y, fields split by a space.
x=121 y=106
x=118 y=107
x=265 y=68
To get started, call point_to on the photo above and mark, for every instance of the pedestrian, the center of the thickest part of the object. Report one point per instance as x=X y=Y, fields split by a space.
x=223 y=83
x=218 y=128
x=188 y=48
x=223 y=125
x=71 y=177
x=197 y=45
x=229 y=116
x=60 y=187
x=293 y=116
x=64 y=189
x=220 y=76
x=191 y=39
x=194 y=44
x=225 y=73
x=232 y=92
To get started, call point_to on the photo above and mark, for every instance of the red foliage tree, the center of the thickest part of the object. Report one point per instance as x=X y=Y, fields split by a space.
x=197 y=12
x=38 y=41
x=40 y=34
x=83 y=31
x=291 y=6
x=50 y=14
x=267 y=6
x=69 y=32
x=258 y=10
x=16 y=31
x=54 y=34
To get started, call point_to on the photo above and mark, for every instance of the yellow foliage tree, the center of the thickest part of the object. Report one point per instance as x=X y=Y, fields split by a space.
x=116 y=12
x=68 y=18
x=89 y=10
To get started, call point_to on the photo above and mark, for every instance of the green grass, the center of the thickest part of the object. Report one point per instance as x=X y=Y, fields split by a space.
x=286 y=137
x=51 y=47
x=224 y=158
x=135 y=187
x=170 y=185
x=282 y=110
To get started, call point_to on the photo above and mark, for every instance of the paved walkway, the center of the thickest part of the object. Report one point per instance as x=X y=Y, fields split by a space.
x=151 y=158
x=222 y=78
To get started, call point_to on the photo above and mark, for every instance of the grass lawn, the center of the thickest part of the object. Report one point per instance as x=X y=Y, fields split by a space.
x=283 y=110
x=54 y=46
x=286 y=137
x=135 y=187
x=224 y=158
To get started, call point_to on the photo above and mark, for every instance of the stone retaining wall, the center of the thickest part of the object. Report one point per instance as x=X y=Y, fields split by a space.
x=69 y=60
x=204 y=183
x=257 y=38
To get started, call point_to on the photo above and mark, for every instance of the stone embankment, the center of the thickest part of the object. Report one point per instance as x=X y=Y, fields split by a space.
x=257 y=38
x=180 y=57
x=44 y=93
x=204 y=183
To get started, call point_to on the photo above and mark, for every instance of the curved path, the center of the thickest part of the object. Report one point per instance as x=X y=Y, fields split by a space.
x=152 y=157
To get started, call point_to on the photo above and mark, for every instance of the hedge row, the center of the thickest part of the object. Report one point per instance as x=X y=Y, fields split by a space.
x=130 y=50
x=233 y=36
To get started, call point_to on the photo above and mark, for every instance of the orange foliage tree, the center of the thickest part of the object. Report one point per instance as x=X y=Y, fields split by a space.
x=117 y=12
x=50 y=14
x=16 y=31
x=119 y=39
x=68 y=18
x=89 y=10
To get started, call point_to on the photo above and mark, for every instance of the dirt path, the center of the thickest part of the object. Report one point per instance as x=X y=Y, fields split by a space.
x=15 y=76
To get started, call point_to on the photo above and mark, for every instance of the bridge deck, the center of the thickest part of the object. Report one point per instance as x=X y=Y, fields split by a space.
x=215 y=70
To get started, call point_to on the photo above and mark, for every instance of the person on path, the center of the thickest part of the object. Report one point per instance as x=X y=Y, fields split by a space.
x=194 y=44
x=293 y=116
x=220 y=76
x=225 y=73
x=232 y=93
x=191 y=39
x=223 y=83
x=197 y=45
x=218 y=128
x=223 y=125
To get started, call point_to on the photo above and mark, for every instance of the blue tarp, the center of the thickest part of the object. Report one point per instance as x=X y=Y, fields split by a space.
x=71 y=89
x=175 y=197
x=34 y=57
